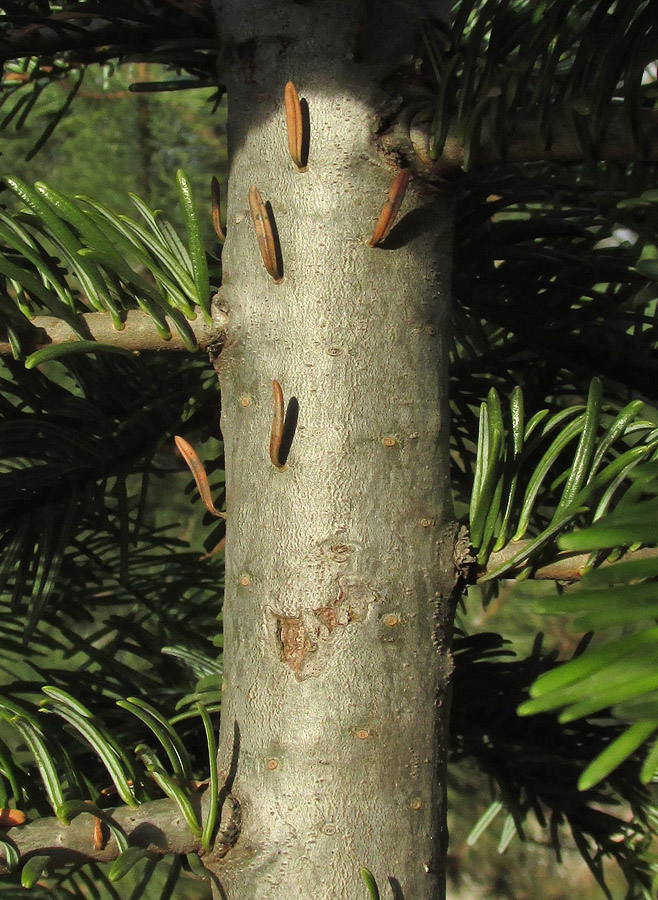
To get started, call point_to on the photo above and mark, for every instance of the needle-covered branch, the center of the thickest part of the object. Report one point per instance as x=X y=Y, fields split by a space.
x=157 y=826
x=524 y=143
x=139 y=332
x=565 y=566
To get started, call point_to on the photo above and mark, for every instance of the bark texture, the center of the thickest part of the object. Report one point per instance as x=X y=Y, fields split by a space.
x=339 y=565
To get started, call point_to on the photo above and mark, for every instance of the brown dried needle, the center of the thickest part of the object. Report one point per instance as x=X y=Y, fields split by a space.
x=294 y=124
x=217 y=209
x=276 y=435
x=195 y=465
x=264 y=233
x=391 y=208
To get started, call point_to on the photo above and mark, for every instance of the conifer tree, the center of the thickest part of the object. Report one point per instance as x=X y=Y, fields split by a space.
x=433 y=333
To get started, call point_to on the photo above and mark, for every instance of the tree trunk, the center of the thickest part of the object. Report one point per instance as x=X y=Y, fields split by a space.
x=340 y=564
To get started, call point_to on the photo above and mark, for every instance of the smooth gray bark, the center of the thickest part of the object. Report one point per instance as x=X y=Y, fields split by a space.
x=340 y=567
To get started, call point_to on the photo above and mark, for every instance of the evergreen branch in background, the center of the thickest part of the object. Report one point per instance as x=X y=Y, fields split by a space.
x=171 y=613
x=571 y=465
x=55 y=241
x=155 y=827
x=51 y=46
x=122 y=24
x=553 y=285
x=564 y=566
x=619 y=675
x=138 y=334
x=511 y=81
x=106 y=607
x=77 y=455
x=505 y=62
x=515 y=754
x=67 y=788
x=68 y=774
x=536 y=249
x=55 y=483
x=608 y=695
x=158 y=876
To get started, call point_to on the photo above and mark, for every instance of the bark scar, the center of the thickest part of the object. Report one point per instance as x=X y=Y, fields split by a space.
x=305 y=641
x=230 y=826
x=457 y=564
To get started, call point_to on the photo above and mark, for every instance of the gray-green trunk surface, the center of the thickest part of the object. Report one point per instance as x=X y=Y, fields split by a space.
x=339 y=566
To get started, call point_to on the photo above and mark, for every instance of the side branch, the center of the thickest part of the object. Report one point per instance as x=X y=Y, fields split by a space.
x=139 y=332
x=158 y=826
x=565 y=566
x=525 y=142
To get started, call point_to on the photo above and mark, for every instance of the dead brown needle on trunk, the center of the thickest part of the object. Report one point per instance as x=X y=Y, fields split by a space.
x=199 y=474
x=219 y=546
x=277 y=426
x=390 y=209
x=217 y=209
x=294 y=124
x=10 y=817
x=99 y=837
x=264 y=233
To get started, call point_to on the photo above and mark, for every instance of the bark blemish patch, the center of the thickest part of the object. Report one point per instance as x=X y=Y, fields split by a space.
x=305 y=641
x=340 y=551
x=294 y=641
x=327 y=615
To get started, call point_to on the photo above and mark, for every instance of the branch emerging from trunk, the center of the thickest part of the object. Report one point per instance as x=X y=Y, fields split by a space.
x=158 y=826
x=139 y=333
x=525 y=142
x=565 y=566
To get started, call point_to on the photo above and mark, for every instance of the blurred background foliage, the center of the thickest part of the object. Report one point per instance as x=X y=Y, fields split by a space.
x=114 y=141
